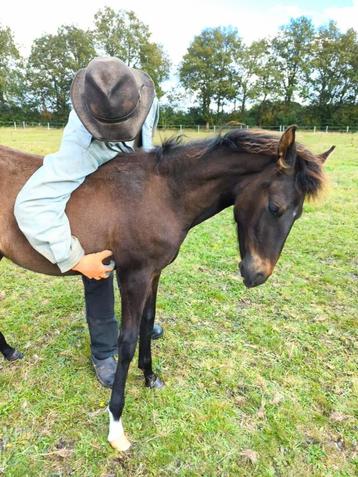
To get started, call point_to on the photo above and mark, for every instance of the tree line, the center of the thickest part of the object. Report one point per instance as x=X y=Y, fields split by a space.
x=303 y=75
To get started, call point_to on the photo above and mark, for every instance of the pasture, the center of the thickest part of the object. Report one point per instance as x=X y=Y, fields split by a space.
x=259 y=382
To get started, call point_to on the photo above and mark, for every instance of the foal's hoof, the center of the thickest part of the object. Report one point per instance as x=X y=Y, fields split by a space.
x=153 y=382
x=14 y=356
x=121 y=444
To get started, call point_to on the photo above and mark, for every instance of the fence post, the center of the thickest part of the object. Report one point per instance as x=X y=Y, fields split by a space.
x=15 y=124
x=48 y=125
x=214 y=128
x=198 y=128
x=347 y=129
x=23 y=124
x=326 y=129
x=181 y=128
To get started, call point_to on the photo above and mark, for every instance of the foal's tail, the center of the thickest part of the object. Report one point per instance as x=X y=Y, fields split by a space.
x=11 y=354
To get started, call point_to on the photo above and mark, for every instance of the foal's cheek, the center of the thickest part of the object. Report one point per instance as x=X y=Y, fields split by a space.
x=279 y=236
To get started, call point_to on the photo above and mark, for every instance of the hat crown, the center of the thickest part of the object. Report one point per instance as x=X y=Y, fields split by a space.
x=111 y=99
x=110 y=88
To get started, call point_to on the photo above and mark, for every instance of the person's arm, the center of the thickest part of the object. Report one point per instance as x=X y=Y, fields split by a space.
x=40 y=205
x=150 y=125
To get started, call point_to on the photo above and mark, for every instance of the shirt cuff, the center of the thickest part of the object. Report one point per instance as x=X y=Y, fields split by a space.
x=76 y=253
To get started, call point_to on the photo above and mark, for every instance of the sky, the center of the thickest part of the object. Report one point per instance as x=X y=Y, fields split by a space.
x=174 y=24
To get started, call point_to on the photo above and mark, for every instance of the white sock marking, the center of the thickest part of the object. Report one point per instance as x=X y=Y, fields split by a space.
x=116 y=436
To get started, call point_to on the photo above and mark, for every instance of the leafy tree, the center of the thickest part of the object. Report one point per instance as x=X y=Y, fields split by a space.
x=52 y=64
x=208 y=67
x=257 y=73
x=122 y=34
x=292 y=49
x=333 y=78
x=9 y=58
x=350 y=44
x=266 y=72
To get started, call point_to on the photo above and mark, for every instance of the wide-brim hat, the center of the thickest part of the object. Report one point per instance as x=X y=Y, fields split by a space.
x=111 y=99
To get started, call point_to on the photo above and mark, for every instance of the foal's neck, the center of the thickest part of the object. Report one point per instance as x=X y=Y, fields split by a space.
x=209 y=184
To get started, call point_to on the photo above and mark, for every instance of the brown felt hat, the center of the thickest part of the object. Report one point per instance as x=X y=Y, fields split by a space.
x=111 y=99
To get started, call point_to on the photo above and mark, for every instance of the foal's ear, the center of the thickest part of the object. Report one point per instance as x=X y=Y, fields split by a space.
x=287 y=148
x=325 y=154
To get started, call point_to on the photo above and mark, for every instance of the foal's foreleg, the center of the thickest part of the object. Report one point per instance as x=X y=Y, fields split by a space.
x=145 y=338
x=134 y=287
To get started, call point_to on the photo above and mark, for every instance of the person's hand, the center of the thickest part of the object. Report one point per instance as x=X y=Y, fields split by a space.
x=92 y=267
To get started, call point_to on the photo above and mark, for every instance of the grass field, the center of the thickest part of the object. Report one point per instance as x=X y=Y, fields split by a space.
x=259 y=382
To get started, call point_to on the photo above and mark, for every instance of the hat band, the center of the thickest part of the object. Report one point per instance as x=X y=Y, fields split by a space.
x=119 y=119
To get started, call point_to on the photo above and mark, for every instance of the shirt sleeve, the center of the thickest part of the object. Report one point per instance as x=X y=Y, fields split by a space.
x=40 y=205
x=150 y=125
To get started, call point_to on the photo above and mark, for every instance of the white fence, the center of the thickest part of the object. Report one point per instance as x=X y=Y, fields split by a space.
x=202 y=129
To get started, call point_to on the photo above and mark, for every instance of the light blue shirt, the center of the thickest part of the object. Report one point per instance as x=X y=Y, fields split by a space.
x=40 y=205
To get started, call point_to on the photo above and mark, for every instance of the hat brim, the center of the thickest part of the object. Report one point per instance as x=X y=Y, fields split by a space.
x=125 y=130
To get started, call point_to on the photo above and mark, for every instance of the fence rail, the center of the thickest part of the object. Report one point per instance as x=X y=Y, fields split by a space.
x=201 y=128
x=192 y=127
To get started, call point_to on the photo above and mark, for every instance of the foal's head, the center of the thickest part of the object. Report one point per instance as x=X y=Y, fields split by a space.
x=268 y=203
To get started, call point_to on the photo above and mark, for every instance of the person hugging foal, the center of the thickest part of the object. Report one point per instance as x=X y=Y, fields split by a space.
x=115 y=111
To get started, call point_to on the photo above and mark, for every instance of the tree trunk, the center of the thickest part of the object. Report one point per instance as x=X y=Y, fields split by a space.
x=243 y=103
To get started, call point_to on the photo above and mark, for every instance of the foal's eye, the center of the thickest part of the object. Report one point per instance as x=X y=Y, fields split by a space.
x=274 y=209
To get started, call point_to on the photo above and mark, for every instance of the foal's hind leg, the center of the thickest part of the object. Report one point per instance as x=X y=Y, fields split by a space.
x=9 y=353
x=145 y=339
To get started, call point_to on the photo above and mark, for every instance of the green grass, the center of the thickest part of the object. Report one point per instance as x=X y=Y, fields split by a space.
x=259 y=382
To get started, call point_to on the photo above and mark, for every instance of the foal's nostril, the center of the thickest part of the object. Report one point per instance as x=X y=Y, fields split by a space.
x=259 y=278
x=251 y=279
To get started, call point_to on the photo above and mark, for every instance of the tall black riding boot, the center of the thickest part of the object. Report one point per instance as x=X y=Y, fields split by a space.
x=103 y=327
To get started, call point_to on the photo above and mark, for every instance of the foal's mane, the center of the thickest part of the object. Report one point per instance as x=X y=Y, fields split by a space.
x=309 y=171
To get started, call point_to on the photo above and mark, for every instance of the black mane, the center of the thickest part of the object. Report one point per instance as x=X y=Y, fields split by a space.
x=309 y=172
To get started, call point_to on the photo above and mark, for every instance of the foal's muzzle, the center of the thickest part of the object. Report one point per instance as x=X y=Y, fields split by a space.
x=252 y=275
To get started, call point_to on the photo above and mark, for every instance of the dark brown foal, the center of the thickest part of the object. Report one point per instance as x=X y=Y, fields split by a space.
x=142 y=205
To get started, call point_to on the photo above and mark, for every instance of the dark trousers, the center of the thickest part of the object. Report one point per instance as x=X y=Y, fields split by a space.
x=102 y=324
